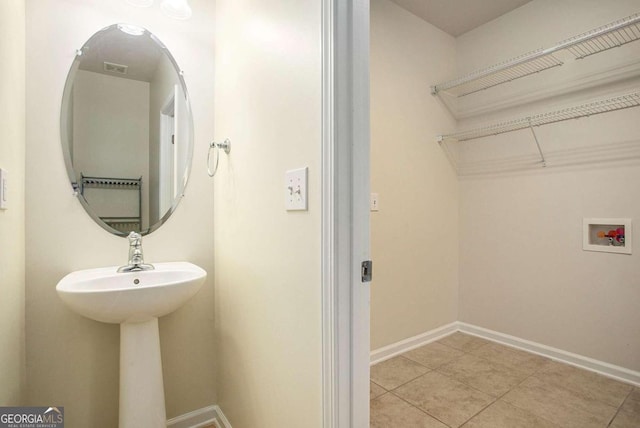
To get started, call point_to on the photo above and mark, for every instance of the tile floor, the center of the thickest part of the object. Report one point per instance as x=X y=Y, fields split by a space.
x=462 y=380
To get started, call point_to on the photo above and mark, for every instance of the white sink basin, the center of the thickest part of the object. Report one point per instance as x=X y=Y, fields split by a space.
x=105 y=295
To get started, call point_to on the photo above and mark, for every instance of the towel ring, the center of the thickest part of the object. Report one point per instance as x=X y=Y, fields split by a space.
x=226 y=146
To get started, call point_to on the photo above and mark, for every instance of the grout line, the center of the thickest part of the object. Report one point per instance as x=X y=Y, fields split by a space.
x=580 y=394
x=511 y=404
x=410 y=380
x=497 y=398
x=620 y=407
x=372 y=381
x=540 y=370
x=410 y=404
x=430 y=371
x=422 y=410
x=464 y=353
x=533 y=374
x=449 y=377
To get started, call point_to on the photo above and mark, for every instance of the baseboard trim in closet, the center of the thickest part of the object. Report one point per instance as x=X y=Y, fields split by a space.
x=610 y=370
x=205 y=417
x=390 y=351
x=597 y=366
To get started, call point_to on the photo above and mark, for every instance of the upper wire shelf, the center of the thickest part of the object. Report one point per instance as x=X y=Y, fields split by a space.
x=588 y=109
x=600 y=39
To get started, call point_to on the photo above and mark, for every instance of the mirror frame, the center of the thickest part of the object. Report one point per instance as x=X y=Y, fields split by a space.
x=64 y=110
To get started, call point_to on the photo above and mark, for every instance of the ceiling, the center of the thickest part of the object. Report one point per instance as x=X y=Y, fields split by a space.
x=141 y=54
x=456 y=17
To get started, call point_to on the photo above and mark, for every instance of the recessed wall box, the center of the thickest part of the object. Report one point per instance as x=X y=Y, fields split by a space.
x=609 y=235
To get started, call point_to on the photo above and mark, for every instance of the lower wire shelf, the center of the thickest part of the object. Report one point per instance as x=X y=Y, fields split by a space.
x=589 y=109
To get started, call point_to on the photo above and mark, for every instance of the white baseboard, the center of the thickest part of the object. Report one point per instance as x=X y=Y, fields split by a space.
x=616 y=372
x=200 y=418
x=223 y=422
x=405 y=345
x=605 y=369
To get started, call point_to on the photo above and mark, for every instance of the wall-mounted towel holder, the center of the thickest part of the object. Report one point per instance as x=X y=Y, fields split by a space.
x=226 y=146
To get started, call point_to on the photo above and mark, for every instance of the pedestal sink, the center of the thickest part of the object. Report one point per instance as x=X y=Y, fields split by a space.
x=135 y=300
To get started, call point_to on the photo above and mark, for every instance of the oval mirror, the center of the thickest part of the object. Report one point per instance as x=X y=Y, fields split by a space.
x=127 y=129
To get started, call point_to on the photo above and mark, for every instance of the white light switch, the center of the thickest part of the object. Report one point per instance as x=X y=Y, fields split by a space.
x=295 y=191
x=3 y=189
x=374 y=202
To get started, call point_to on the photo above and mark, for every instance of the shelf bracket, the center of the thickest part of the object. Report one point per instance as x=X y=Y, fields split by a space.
x=535 y=137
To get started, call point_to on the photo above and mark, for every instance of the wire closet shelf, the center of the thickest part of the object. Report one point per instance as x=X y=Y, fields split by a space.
x=596 y=107
x=600 y=39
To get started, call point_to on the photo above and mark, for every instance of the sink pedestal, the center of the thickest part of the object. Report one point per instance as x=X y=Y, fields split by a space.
x=141 y=387
x=135 y=300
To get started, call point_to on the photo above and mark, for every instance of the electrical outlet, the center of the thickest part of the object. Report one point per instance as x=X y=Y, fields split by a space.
x=3 y=189
x=374 y=202
x=295 y=192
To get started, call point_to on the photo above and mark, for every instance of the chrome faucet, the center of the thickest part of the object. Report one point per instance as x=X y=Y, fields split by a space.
x=136 y=259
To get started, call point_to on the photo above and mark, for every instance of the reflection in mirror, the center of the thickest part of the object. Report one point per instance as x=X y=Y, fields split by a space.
x=126 y=129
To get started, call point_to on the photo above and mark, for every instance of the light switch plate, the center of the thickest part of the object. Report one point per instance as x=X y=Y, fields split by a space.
x=295 y=189
x=3 y=189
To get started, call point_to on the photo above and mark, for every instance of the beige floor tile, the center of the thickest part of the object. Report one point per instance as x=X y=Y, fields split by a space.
x=463 y=342
x=389 y=411
x=443 y=398
x=503 y=415
x=396 y=371
x=485 y=375
x=433 y=355
x=629 y=414
x=375 y=390
x=625 y=420
x=561 y=406
x=511 y=357
x=632 y=403
x=589 y=384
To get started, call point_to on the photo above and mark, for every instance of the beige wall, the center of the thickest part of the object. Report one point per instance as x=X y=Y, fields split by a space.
x=73 y=361
x=522 y=268
x=414 y=236
x=12 y=227
x=268 y=290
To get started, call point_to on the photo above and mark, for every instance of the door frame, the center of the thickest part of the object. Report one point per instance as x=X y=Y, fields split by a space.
x=167 y=155
x=345 y=213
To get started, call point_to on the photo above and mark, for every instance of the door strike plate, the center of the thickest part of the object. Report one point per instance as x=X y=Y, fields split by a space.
x=367 y=270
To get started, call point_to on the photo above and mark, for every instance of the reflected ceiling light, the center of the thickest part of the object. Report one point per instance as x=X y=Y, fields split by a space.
x=134 y=30
x=140 y=3
x=178 y=9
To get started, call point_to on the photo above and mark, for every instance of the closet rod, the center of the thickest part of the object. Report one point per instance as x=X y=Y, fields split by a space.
x=588 y=109
x=603 y=38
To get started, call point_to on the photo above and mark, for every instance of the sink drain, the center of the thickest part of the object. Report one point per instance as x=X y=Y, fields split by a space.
x=136 y=281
